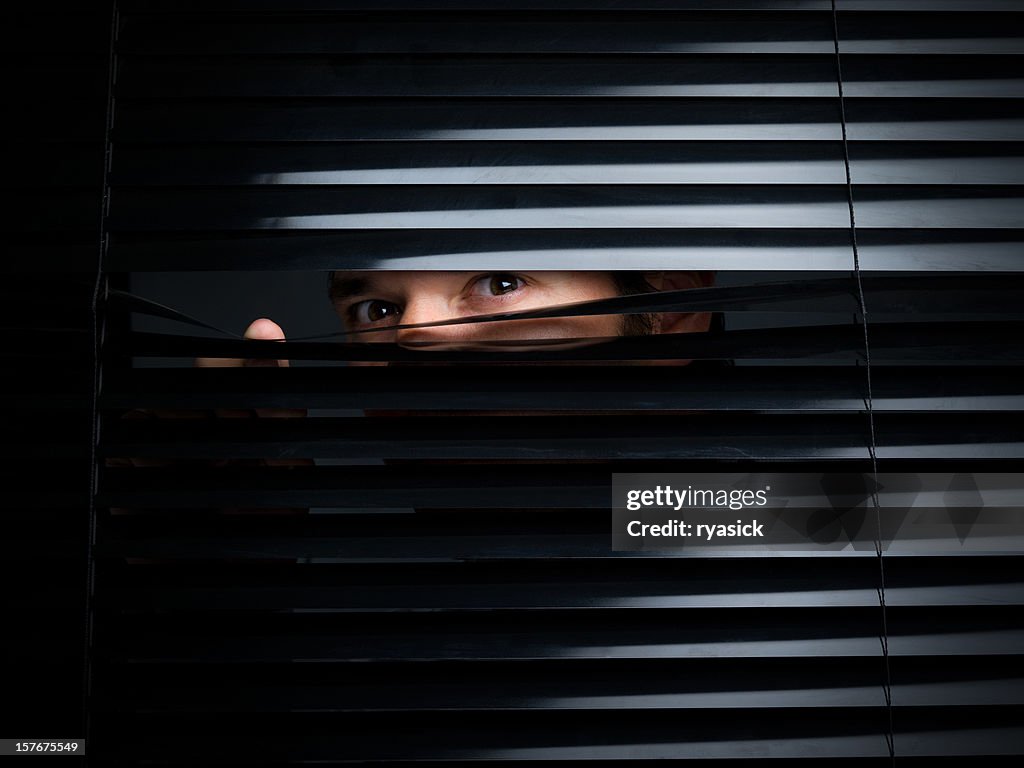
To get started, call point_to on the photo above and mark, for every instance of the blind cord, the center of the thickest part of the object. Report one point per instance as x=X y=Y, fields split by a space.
x=100 y=287
x=862 y=304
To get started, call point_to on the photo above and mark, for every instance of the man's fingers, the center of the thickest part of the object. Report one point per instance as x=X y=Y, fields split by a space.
x=268 y=330
x=263 y=329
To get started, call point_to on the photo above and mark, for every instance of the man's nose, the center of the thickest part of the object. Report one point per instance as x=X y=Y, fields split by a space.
x=433 y=311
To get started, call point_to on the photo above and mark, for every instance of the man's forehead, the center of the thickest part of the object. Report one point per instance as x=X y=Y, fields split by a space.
x=358 y=282
x=569 y=285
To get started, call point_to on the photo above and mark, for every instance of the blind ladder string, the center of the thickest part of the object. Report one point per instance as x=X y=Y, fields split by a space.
x=862 y=304
x=100 y=286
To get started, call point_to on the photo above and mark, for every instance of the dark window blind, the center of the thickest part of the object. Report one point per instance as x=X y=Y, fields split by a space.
x=853 y=176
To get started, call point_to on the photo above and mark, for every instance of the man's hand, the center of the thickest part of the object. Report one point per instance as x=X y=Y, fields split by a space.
x=264 y=330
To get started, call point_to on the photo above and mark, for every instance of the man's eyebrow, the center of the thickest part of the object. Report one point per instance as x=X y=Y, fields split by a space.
x=346 y=287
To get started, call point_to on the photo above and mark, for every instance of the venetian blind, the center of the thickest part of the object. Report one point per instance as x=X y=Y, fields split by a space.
x=851 y=173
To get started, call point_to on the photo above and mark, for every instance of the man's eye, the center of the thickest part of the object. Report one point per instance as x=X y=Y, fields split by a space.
x=496 y=285
x=373 y=311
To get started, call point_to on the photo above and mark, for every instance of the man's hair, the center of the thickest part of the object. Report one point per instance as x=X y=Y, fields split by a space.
x=631 y=284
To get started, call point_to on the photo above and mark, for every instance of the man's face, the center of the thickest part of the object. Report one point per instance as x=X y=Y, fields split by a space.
x=369 y=300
